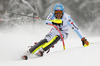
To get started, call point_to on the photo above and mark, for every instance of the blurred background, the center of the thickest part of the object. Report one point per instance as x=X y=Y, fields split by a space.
x=85 y=13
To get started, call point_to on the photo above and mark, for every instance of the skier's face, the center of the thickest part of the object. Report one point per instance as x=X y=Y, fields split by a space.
x=58 y=14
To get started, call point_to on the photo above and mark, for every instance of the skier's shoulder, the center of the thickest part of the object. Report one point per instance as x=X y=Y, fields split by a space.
x=66 y=15
x=50 y=15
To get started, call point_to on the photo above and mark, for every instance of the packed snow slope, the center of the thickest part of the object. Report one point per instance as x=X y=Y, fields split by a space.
x=14 y=42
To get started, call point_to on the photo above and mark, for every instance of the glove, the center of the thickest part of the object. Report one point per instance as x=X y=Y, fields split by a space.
x=85 y=43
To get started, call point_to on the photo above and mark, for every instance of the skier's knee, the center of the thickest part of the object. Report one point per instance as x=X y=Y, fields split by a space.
x=37 y=46
x=51 y=43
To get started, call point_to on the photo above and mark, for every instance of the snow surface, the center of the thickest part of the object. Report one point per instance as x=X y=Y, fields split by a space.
x=15 y=42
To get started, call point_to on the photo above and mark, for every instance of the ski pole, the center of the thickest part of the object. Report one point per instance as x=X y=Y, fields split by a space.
x=60 y=34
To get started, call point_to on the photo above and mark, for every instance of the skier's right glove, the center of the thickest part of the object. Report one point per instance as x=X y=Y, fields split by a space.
x=85 y=43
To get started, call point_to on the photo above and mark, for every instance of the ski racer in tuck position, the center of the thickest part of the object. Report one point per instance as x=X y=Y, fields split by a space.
x=61 y=19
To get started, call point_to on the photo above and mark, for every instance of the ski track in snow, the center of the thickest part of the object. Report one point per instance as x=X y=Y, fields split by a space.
x=13 y=44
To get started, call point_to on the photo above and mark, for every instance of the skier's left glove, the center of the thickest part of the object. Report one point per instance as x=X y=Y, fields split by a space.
x=85 y=43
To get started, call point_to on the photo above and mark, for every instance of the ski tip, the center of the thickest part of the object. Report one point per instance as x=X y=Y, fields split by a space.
x=24 y=57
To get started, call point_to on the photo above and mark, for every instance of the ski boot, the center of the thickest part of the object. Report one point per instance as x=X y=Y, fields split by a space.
x=24 y=57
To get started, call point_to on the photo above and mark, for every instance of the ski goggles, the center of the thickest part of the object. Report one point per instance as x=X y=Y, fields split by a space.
x=58 y=11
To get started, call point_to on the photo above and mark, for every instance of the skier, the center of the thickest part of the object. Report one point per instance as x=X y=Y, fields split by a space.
x=61 y=19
